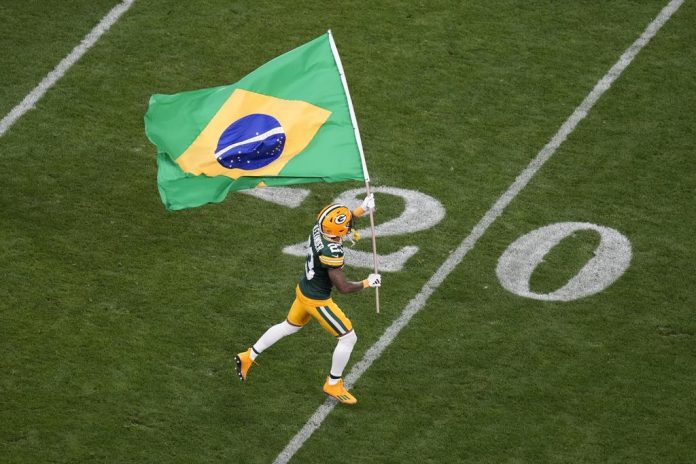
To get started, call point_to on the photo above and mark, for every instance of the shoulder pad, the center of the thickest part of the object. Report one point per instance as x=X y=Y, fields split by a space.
x=332 y=255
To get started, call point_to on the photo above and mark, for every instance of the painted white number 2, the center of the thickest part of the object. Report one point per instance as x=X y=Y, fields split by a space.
x=421 y=212
x=516 y=265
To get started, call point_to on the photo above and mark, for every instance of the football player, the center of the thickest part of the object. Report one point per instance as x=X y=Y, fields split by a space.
x=323 y=272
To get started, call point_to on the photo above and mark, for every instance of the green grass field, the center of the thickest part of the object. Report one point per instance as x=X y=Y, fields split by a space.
x=119 y=320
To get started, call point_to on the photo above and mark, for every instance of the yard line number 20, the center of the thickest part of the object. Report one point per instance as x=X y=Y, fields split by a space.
x=516 y=265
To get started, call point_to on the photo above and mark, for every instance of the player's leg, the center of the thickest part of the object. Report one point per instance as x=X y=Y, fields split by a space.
x=341 y=356
x=334 y=382
x=332 y=318
x=271 y=336
x=297 y=318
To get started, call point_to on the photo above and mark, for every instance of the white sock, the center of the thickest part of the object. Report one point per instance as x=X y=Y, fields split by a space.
x=271 y=336
x=341 y=355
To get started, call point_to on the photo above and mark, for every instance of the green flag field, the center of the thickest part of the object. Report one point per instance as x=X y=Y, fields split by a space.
x=534 y=169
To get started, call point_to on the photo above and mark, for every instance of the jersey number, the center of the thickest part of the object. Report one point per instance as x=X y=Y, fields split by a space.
x=309 y=263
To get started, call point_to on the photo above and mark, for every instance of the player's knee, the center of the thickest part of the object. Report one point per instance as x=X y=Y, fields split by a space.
x=290 y=329
x=349 y=339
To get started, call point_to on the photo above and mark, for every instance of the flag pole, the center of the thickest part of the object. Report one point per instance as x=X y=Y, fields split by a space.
x=358 y=140
x=374 y=247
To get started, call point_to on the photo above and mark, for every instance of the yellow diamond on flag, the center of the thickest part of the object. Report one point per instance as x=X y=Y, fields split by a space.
x=252 y=135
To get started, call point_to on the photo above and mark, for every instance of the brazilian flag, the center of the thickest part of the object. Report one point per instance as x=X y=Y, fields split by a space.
x=289 y=122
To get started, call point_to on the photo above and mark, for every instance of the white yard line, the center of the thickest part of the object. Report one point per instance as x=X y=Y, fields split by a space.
x=59 y=71
x=418 y=302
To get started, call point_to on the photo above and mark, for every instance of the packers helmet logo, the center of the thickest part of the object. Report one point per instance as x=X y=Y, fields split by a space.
x=340 y=219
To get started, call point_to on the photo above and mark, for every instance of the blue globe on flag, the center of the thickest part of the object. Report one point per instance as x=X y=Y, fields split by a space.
x=251 y=142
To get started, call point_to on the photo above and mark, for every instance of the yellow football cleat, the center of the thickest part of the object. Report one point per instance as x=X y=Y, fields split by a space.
x=339 y=392
x=242 y=363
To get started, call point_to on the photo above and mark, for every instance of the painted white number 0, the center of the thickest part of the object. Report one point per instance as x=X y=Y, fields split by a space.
x=517 y=263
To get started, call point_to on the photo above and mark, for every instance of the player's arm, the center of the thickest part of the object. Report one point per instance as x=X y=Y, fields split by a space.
x=343 y=285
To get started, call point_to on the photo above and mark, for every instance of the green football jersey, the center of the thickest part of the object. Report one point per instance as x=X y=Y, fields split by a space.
x=322 y=255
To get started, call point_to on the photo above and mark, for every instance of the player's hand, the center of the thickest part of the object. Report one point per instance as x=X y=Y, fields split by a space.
x=368 y=203
x=374 y=280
